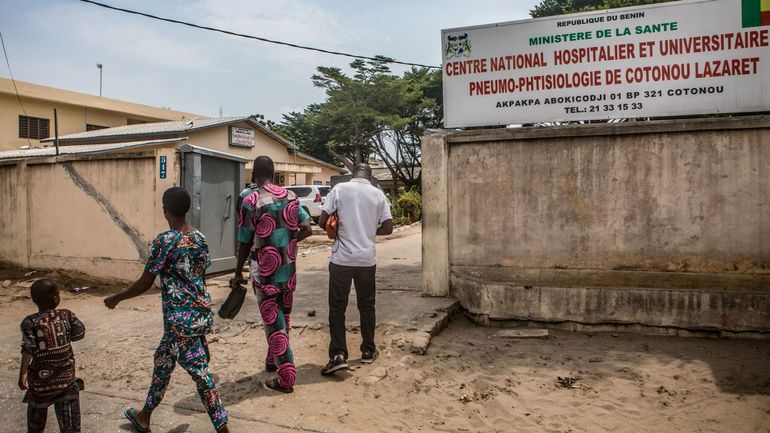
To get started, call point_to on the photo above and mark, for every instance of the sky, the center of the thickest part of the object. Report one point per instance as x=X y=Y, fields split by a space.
x=59 y=42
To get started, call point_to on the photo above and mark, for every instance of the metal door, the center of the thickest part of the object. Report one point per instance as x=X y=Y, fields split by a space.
x=214 y=182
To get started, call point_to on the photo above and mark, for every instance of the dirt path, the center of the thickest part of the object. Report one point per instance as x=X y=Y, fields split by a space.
x=469 y=381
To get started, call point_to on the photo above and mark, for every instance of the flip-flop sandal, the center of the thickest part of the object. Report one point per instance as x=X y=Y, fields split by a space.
x=275 y=385
x=130 y=415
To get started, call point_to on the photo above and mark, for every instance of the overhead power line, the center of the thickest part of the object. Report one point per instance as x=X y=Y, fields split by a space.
x=2 y=41
x=258 y=38
x=15 y=89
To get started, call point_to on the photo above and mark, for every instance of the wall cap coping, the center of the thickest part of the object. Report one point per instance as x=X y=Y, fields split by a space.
x=607 y=129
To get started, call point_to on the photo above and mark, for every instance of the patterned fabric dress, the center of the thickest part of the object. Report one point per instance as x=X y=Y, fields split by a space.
x=180 y=259
x=51 y=376
x=270 y=220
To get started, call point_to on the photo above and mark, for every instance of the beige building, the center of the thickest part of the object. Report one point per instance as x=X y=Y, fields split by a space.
x=105 y=187
x=93 y=204
x=25 y=123
x=238 y=136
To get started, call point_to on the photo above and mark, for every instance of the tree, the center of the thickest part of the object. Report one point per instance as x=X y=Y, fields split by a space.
x=612 y=4
x=301 y=128
x=371 y=111
x=353 y=109
x=260 y=118
x=417 y=107
x=548 y=8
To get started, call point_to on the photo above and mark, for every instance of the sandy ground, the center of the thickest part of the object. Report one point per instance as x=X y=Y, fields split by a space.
x=469 y=381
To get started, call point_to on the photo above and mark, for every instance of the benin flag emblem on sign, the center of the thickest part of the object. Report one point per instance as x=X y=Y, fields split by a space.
x=756 y=13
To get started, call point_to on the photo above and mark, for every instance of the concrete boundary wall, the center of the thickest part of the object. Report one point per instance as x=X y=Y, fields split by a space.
x=663 y=223
x=94 y=214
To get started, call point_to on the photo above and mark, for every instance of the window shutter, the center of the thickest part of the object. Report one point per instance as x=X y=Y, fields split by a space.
x=33 y=127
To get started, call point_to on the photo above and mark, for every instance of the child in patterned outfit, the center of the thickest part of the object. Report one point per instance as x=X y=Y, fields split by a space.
x=180 y=256
x=47 y=362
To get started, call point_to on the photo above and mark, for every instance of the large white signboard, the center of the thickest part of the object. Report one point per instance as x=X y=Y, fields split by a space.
x=669 y=59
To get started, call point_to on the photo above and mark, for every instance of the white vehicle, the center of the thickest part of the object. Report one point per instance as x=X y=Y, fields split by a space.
x=311 y=197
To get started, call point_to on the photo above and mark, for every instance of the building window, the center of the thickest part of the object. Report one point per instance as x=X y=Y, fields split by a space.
x=90 y=127
x=33 y=127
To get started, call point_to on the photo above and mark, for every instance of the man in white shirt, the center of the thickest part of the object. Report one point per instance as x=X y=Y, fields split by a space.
x=362 y=212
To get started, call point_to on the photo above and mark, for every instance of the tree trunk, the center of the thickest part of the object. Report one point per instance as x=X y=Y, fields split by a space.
x=358 y=153
x=343 y=159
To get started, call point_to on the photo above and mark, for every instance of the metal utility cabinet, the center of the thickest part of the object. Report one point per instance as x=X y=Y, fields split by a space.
x=214 y=180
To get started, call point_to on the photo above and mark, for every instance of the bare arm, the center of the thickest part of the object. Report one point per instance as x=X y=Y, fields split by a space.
x=322 y=220
x=77 y=328
x=244 y=250
x=385 y=228
x=26 y=359
x=140 y=286
x=305 y=231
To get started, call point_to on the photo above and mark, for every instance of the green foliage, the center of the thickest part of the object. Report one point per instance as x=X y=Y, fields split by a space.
x=353 y=110
x=406 y=206
x=370 y=111
x=612 y=4
x=548 y=8
x=307 y=131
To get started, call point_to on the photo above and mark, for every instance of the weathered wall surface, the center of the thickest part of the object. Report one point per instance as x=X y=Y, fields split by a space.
x=694 y=309
x=623 y=204
x=692 y=201
x=435 y=213
x=13 y=215
x=91 y=215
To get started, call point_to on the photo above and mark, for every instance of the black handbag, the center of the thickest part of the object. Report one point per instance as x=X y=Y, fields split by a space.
x=234 y=302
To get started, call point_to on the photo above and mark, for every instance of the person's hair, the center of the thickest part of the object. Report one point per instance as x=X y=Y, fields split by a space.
x=362 y=170
x=263 y=168
x=176 y=201
x=45 y=293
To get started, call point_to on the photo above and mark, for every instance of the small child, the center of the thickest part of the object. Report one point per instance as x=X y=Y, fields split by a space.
x=47 y=362
x=180 y=257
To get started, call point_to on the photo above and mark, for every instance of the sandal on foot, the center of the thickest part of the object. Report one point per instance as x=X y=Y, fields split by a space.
x=275 y=385
x=130 y=415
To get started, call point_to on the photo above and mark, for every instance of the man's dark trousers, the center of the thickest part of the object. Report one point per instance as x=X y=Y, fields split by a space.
x=340 y=278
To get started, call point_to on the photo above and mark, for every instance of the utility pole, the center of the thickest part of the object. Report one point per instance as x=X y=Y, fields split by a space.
x=56 y=131
x=99 y=65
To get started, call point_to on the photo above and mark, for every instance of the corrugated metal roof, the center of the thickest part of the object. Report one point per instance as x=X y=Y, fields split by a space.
x=383 y=174
x=171 y=127
x=176 y=127
x=210 y=152
x=84 y=148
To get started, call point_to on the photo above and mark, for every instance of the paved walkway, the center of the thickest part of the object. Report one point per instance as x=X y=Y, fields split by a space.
x=121 y=337
x=399 y=298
